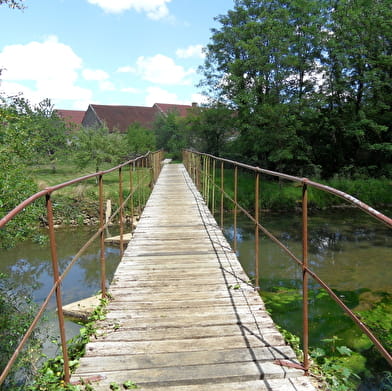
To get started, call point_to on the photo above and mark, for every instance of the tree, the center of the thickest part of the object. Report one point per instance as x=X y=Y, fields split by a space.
x=140 y=140
x=210 y=128
x=16 y=4
x=171 y=135
x=91 y=145
x=16 y=151
x=310 y=85
x=51 y=133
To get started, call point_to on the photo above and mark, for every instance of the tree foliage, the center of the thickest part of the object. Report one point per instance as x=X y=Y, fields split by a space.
x=15 y=4
x=140 y=140
x=96 y=145
x=309 y=81
x=17 y=150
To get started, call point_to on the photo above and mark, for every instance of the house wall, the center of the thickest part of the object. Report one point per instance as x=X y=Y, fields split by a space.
x=90 y=119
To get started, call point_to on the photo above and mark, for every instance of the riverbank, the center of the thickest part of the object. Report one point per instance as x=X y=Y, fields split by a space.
x=78 y=206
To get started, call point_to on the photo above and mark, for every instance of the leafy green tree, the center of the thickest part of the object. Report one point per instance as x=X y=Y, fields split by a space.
x=51 y=133
x=171 y=134
x=209 y=128
x=92 y=146
x=16 y=152
x=260 y=62
x=310 y=81
x=97 y=146
x=140 y=140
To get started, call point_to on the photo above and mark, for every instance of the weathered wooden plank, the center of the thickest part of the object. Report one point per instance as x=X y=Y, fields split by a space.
x=184 y=316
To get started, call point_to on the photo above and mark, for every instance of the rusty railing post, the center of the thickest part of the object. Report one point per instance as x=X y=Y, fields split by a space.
x=56 y=278
x=305 y=304
x=208 y=181
x=235 y=207
x=213 y=186
x=257 y=231
x=102 y=237
x=222 y=195
x=121 y=201
x=131 y=170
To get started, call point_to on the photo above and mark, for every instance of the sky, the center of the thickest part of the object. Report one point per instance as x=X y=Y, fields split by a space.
x=112 y=52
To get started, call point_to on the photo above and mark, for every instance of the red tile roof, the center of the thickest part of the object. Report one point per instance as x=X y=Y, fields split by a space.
x=71 y=116
x=121 y=117
x=165 y=108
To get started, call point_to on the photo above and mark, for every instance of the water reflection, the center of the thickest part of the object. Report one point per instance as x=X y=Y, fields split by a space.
x=29 y=268
x=347 y=249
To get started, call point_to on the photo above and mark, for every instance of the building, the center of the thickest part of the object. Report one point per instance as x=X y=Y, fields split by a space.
x=73 y=118
x=119 y=118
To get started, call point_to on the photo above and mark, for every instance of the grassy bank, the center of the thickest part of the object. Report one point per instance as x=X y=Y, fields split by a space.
x=282 y=195
x=79 y=204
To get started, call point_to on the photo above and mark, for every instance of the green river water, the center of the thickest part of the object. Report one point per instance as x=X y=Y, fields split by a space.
x=348 y=250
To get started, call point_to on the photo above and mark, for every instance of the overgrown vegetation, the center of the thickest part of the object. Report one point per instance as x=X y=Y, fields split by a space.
x=17 y=310
x=338 y=360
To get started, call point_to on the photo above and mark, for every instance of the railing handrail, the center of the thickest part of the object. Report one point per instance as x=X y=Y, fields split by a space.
x=349 y=198
x=202 y=167
x=154 y=159
x=48 y=190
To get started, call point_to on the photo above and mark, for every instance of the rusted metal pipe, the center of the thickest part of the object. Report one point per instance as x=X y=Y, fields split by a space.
x=305 y=289
x=102 y=237
x=121 y=201
x=235 y=208
x=222 y=193
x=257 y=190
x=56 y=281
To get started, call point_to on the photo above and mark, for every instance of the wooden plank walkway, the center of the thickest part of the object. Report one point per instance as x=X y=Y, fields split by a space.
x=184 y=317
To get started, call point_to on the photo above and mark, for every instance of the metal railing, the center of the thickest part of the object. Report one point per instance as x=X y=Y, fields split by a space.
x=143 y=171
x=203 y=170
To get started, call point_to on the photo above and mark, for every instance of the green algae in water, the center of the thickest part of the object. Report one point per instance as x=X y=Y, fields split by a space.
x=327 y=321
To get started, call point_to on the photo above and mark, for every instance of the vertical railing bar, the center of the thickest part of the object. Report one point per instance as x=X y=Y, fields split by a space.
x=138 y=187
x=222 y=195
x=204 y=177
x=131 y=169
x=213 y=185
x=208 y=182
x=121 y=200
x=257 y=190
x=102 y=238
x=305 y=305
x=56 y=278
x=235 y=207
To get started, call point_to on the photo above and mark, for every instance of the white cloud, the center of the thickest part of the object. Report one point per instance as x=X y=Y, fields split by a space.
x=155 y=9
x=195 y=51
x=126 y=69
x=100 y=76
x=97 y=74
x=159 y=95
x=200 y=99
x=161 y=69
x=130 y=90
x=40 y=70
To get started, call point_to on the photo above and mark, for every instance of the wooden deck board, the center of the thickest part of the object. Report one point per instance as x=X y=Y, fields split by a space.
x=184 y=316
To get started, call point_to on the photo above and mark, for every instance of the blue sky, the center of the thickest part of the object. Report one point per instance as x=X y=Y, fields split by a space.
x=125 y=52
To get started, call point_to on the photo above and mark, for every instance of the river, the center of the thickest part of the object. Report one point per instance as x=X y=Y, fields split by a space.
x=349 y=251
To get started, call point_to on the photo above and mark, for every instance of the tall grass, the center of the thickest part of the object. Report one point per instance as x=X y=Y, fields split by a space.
x=281 y=195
